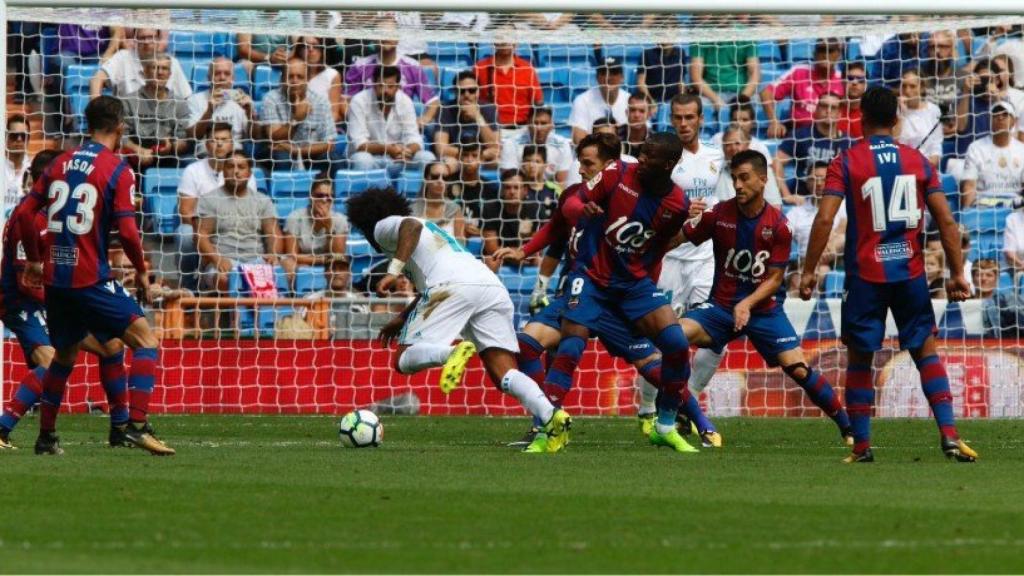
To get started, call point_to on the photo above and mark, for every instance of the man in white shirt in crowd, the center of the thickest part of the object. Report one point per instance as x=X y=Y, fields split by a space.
x=123 y=71
x=994 y=169
x=18 y=160
x=1013 y=241
x=299 y=123
x=801 y=218
x=733 y=140
x=197 y=180
x=221 y=103
x=382 y=128
x=920 y=120
x=688 y=271
x=606 y=99
x=540 y=132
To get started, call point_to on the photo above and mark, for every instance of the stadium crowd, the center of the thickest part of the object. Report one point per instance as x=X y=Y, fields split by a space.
x=246 y=145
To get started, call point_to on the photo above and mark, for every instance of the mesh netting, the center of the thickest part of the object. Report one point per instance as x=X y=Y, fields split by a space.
x=493 y=102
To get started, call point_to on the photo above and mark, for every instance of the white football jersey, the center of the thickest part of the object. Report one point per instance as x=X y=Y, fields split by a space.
x=438 y=257
x=697 y=174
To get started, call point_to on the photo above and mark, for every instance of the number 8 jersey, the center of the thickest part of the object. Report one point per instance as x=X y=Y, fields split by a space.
x=885 y=185
x=84 y=191
x=745 y=249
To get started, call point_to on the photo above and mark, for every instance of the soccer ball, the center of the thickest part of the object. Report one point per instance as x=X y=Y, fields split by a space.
x=360 y=429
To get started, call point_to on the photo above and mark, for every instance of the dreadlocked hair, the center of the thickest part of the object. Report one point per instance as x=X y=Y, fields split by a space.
x=367 y=208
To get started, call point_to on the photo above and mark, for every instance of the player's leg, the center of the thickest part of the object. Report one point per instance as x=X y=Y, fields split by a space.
x=584 y=305
x=492 y=328
x=656 y=319
x=114 y=380
x=705 y=360
x=915 y=320
x=864 y=310
x=67 y=328
x=817 y=388
x=432 y=326
x=538 y=336
x=29 y=328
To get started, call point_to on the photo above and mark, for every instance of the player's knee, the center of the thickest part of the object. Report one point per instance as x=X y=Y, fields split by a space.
x=671 y=340
x=643 y=363
x=529 y=347
x=113 y=347
x=43 y=355
x=798 y=371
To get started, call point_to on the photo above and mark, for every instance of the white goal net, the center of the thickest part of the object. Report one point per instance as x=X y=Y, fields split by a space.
x=480 y=138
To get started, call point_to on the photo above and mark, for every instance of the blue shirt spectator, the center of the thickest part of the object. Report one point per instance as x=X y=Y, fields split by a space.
x=661 y=73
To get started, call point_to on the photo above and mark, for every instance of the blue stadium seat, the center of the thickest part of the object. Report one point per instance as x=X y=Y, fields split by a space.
x=261 y=180
x=348 y=182
x=200 y=44
x=834 y=282
x=518 y=279
x=447 y=82
x=77 y=103
x=294 y=183
x=410 y=183
x=801 y=50
x=160 y=198
x=77 y=76
x=581 y=79
x=768 y=51
x=952 y=191
x=475 y=245
x=450 y=53
x=309 y=279
x=265 y=79
x=486 y=50
x=984 y=220
x=564 y=54
x=561 y=111
x=285 y=205
x=629 y=54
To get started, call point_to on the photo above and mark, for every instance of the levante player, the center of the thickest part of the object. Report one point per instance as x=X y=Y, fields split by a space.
x=886 y=186
x=752 y=242
x=88 y=192
x=630 y=213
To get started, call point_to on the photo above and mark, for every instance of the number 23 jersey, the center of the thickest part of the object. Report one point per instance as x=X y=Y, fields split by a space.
x=745 y=250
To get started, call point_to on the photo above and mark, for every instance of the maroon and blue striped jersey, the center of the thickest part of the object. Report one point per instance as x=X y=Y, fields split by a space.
x=745 y=249
x=86 y=193
x=885 y=185
x=13 y=288
x=629 y=240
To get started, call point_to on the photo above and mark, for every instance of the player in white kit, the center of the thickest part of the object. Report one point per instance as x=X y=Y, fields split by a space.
x=459 y=297
x=688 y=271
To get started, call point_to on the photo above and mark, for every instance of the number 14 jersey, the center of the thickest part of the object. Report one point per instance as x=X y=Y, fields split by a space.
x=84 y=192
x=885 y=185
x=745 y=249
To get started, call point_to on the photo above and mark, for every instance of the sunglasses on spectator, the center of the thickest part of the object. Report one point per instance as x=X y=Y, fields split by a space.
x=435 y=176
x=468 y=90
x=322 y=197
x=18 y=135
x=855 y=78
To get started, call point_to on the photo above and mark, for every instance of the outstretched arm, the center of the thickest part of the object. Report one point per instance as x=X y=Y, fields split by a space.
x=821 y=230
x=957 y=288
x=408 y=237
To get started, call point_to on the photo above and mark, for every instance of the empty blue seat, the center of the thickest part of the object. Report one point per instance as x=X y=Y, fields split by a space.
x=802 y=49
x=348 y=182
x=193 y=44
x=261 y=180
x=561 y=112
x=629 y=54
x=309 y=279
x=77 y=76
x=410 y=183
x=834 y=282
x=160 y=198
x=294 y=183
x=356 y=247
x=768 y=51
x=981 y=220
x=285 y=205
x=487 y=50
x=564 y=54
x=264 y=80
x=581 y=79
x=447 y=53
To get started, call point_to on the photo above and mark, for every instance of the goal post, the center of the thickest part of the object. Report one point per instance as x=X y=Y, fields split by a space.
x=302 y=339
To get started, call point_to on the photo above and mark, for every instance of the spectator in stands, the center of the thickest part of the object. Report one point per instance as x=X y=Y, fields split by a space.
x=933 y=267
x=123 y=271
x=271 y=49
x=804 y=84
x=1001 y=310
x=856 y=85
x=221 y=103
x=1013 y=242
x=316 y=236
x=155 y=119
x=541 y=132
x=608 y=98
x=412 y=44
x=435 y=203
x=198 y=180
x=473 y=193
x=124 y=72
x=662 y=72
x=18 y=159
x=920 y=124
x=973 y=120
x=801 y=219
x=76 y=44
x=510 y=83
x=541 y=193
x=732 y=141
x=725 y=70
x=637 y=127
x=993 y=173
x=323 y=79
x=808 y=145
x=1006 y=41
x=298 y=123
x=741 y=113
x=1003 y=73
x=985 y=277
x=382 y=129
x=236 y=226
x=899 y=54
x=508 y=223
x=941 y=77
x=403 y=289
x=362 y=74
x=467 y=120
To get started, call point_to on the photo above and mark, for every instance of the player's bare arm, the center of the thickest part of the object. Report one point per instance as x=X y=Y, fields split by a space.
x=408 y=237
x=821 y=230
x=771 y=284
x=957 y=288
x=389 y=333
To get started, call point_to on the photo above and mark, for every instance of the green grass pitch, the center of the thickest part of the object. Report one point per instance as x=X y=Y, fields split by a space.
x=279 y=494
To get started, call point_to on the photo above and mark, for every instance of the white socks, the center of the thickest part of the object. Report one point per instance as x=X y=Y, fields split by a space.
x=422 y=356
x=702 y=368
x=529 y=394
x=648 y=394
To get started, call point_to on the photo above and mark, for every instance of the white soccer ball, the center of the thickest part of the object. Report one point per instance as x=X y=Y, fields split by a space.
x=360 y=429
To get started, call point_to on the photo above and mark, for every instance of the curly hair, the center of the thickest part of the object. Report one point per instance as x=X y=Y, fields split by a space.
x=369 y=207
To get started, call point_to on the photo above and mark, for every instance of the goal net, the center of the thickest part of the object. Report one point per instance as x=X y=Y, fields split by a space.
x=271 y=307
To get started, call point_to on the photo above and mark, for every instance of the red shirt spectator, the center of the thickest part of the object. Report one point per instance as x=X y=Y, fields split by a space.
x=804 y=84
x=511 y=83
